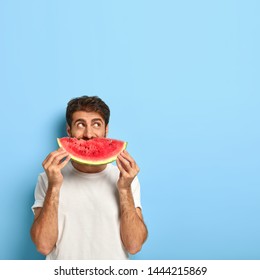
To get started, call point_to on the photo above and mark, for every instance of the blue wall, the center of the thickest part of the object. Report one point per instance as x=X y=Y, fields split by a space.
x=182 y=81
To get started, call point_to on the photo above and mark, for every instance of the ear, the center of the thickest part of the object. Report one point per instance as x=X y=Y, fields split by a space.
x=68 y=130
x=106 y=131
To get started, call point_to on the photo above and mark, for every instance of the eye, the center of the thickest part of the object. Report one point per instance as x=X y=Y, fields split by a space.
x=80 y=125
x=97 y=124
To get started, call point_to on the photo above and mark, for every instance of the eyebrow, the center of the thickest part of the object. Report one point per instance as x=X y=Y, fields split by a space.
x=93 y=120
x=79 y=120
x=97 y=119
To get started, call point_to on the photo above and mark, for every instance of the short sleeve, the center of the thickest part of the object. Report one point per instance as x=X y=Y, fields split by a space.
x=136 y=192
x=40 y=191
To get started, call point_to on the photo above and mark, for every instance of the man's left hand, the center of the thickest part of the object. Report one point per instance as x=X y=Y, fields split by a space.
x=128 y=170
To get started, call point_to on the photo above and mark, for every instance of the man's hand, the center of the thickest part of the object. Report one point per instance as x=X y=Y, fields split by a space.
x=132 y=228
x=128 y=170
x=44 y=231
x=53 y=164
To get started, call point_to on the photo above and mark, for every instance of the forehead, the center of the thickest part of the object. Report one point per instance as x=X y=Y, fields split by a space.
x=87 y=116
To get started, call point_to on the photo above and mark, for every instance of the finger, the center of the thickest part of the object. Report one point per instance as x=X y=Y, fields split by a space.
x=132 y=161
x=124 y=163
x=120 y=167
x=52 y=154
x=51 y=157
x=59 y=157
x=127 y=156
x=48 y=160
x=66 y=160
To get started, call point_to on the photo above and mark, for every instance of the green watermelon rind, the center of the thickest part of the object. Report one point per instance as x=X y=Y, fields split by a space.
x=100 y=162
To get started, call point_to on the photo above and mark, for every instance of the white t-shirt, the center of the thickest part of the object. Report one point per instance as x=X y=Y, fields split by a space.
x=88 y=214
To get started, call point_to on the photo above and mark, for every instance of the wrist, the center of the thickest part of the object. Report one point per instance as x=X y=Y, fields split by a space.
x=124 y=190
x=55 y=186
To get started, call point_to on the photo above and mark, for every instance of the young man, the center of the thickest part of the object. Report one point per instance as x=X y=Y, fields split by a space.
x=84 y=211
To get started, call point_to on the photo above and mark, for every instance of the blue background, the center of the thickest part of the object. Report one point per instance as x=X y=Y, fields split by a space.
x=182 y=81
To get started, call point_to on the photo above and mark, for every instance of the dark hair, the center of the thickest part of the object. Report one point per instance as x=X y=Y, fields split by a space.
x=87 y=104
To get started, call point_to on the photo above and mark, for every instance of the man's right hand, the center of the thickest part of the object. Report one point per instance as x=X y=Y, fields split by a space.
x=44 y=231
x=53 y=164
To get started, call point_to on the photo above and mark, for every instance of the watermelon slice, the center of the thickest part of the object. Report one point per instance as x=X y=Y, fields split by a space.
x=95 y=151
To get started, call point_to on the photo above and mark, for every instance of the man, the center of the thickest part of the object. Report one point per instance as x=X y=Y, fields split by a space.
x=84 y=211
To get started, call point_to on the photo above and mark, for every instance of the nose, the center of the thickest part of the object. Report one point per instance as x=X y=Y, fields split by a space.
x=88 y=133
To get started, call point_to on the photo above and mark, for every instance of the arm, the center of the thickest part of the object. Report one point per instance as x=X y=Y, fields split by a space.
x=132 y=228
x=44 y=231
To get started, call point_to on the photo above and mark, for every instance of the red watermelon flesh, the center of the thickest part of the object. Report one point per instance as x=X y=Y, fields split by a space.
x=95 y=151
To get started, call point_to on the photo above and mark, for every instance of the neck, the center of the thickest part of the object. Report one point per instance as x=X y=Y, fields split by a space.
x=88 y=168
